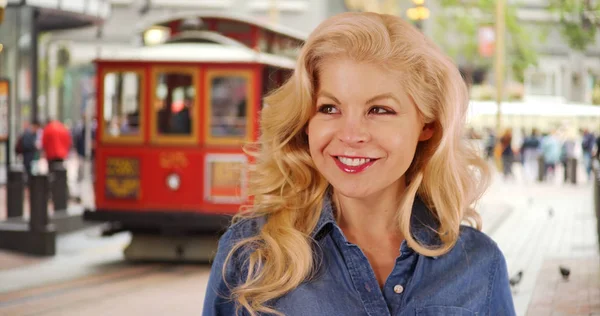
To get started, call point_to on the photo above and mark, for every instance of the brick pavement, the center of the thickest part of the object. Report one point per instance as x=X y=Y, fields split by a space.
x=577 y=295
x=549 y=224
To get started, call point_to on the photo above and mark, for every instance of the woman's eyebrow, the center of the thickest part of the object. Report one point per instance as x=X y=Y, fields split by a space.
x=328 y=95
x=383 y=96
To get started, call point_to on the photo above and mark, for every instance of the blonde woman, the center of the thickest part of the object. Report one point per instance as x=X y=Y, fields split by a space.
x=360 y=187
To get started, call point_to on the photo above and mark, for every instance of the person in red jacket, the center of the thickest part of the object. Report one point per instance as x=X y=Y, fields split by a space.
x=56 y=143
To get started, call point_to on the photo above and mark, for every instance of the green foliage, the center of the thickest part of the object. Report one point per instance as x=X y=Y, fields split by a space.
x=577 y=24
x=464 y=25
x=521 y=51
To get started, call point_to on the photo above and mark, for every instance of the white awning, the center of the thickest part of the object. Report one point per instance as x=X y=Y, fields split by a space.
x=534 y=108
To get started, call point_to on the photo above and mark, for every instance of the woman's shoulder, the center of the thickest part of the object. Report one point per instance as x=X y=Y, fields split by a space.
x=475 y=247
x=476 y=241
x=229 y=252
x=243 y=228
x=477 y=255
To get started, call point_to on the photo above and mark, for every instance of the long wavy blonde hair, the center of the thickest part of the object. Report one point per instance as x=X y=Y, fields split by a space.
x=289 y=191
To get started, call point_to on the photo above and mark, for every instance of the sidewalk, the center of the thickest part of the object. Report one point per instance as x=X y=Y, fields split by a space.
x=83 y=190
x=548 y=225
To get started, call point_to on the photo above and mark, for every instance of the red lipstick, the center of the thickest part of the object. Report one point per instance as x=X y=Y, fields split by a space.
x=353 y=169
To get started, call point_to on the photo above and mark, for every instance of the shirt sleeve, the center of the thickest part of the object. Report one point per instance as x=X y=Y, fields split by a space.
x=500 y=299
x=217 y=301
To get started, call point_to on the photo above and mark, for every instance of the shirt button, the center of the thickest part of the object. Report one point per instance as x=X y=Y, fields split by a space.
x=398 y=289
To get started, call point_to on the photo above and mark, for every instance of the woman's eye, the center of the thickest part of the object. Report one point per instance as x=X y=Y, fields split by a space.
x=380 y=110
x=328 y=109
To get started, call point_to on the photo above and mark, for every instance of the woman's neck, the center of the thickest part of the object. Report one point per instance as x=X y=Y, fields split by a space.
x=373 y=216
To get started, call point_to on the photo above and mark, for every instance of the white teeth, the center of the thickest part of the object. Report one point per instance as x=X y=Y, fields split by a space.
x=353 y=161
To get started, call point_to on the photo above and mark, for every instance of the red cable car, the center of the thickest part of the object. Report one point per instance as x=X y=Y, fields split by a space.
x=172 y=119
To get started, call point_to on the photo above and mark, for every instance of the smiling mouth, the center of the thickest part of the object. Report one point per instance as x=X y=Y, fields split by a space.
x=354 y=162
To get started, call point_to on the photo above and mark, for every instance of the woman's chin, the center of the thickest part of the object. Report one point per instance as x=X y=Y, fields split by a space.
x=353 y=192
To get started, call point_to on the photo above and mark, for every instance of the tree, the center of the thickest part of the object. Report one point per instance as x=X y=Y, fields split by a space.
x=578 y=21
x=463 y=19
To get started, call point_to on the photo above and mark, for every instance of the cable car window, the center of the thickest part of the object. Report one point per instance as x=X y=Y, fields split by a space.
x=228 y=102
x=174 y=100
x=121 y=108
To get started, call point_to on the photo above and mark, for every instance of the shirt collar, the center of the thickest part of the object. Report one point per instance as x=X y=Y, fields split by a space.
x=423 y=223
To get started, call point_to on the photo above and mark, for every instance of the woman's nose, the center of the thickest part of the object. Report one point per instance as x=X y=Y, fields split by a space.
x=354 y=130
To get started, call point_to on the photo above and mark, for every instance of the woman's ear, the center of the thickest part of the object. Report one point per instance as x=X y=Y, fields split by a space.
x=427 y=131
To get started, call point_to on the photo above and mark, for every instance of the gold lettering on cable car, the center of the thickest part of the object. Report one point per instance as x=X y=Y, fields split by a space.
x=175 y=159
x=122 y=178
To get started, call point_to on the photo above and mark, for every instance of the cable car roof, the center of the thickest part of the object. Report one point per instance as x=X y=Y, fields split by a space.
x=147 y=22
x=198 y=52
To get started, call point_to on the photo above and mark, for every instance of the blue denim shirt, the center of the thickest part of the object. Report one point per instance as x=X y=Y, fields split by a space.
x=471 y=279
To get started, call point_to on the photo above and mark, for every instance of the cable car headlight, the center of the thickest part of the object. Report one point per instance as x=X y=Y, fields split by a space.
x=173 y=181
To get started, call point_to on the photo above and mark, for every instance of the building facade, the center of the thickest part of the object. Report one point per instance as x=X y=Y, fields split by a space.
x=24 y=23
x=562 y=73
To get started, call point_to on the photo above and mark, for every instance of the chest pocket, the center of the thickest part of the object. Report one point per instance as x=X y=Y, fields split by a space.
x=444 y=311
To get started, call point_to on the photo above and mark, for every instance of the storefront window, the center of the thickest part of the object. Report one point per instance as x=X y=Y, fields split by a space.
x=122 y=91
x=228 y=103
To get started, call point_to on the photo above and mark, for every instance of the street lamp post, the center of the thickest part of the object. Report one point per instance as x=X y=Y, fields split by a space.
x=499 y=60
x=418 y=13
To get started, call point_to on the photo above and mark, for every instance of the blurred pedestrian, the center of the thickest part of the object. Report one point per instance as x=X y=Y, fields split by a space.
x=587 y=145
x=551 y=149
x=81 y=146
x=490 y=143
x=56 y=143
x=361 y=183
x=597 y=152
x=27 y=147
x=567 y=154
x=508 y=154
x=530 y=152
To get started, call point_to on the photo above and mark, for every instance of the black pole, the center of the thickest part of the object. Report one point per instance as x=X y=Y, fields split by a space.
x=14 y=192
x=596 y=174
x=38 y=203
x=8 y=142
x=573 y=167
x=9 y=127
x=7 y=150
x=34 y=64
x=541 y=168
x=58 y=186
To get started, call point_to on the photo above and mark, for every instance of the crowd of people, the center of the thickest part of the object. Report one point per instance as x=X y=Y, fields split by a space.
x=44 y=147
x=560 y=148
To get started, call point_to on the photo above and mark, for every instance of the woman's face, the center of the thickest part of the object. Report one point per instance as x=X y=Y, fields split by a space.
x=365 y=131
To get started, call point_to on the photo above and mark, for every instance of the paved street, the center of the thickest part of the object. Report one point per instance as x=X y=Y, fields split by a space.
x=539 y=227
x=550 y=224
